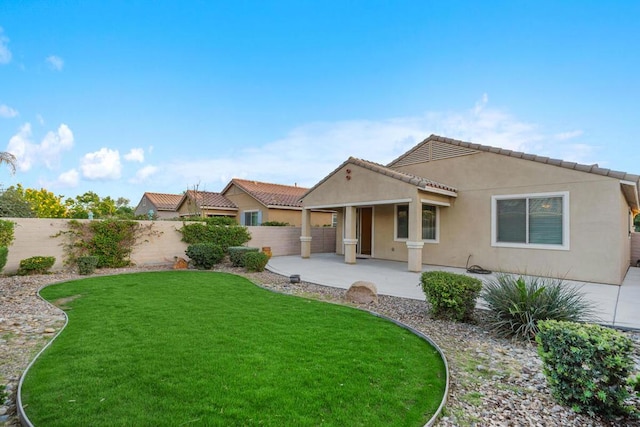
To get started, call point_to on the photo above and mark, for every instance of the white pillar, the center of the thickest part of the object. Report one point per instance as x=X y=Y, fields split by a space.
x=350 y=241
x=415 y=243
x=305 y=237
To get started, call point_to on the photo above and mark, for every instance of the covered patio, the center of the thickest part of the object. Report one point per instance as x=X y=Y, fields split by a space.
x=617 y=305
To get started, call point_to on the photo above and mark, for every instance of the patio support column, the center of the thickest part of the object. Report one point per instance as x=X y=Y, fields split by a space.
x=305 y=235
x=350 y=241
x=415 y=243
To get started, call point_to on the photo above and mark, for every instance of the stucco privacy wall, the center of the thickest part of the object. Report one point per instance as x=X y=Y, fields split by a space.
x=34 y=237
x=635 y=248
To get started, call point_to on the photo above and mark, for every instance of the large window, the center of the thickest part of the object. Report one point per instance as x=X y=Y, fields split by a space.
x=429 y=222
x=534 y=220
x=250 y=218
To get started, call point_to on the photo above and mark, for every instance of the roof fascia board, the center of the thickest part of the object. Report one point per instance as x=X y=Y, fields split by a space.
x=635 y=193
x=356 y=204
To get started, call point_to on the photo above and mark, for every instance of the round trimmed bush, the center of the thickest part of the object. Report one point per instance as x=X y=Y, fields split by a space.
x=205 y=255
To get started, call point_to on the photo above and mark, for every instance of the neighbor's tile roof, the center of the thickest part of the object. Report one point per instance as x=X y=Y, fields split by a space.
x=272 y=194
x=163 y=201
x=208 y=199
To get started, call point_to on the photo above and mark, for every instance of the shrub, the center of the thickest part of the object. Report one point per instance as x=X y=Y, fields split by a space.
x=275 y=224
x=4 y=253
x=255 y=261
x=6 y=232
x=222 y=235
x=634 y=383
x=237 y=254
x=36 y=265
x=452 y=296
x=586 y=366
x=87 y=264
x=517 y=304
x=205 y=255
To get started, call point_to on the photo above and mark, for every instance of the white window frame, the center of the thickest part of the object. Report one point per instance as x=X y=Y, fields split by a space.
x=566 y=237
x=437 y=239
x=405 y=239
x=395 y=223
x=251 y=212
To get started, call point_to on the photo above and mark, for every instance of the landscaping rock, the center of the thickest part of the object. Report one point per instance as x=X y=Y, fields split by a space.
x=362 y=293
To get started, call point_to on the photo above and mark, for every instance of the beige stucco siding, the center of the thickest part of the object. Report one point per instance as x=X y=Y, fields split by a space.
x=598 y=244
x=359 y=187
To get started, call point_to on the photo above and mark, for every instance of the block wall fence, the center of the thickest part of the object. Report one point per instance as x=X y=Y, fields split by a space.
x=35 y=237
x=635 y=248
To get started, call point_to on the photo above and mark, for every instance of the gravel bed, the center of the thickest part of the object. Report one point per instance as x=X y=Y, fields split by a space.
x=494 y=381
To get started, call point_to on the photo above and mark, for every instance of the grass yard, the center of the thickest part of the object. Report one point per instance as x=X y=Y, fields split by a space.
x=200 y=348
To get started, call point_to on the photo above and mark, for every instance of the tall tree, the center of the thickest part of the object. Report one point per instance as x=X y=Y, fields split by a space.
x=13 y=203
x=45 y=204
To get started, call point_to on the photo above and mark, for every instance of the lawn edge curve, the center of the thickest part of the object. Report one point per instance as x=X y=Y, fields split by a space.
x=26 y=422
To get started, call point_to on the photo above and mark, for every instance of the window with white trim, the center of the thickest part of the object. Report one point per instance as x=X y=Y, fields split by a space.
x=429 y=223
x=251 y=218
x=402 y=222
x=531 y=220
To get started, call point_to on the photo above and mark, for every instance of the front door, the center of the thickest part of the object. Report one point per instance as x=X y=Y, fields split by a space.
x=364 y=231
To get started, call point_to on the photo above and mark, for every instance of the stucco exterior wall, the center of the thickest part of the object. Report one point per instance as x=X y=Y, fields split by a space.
x=599 y=244
x=598 y=232
x=34 y=236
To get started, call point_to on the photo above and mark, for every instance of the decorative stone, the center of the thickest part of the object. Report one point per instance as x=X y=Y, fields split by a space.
x=362 y=293
x=180 y=264
x=49 y=331
x=294 y=278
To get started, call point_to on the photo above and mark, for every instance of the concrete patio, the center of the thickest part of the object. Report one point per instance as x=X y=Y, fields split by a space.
x=617 y=306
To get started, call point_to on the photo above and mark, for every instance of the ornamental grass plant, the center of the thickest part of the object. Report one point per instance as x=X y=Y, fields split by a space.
x=518 y=303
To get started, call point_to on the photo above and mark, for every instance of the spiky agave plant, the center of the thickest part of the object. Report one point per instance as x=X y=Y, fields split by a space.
x=519 y=302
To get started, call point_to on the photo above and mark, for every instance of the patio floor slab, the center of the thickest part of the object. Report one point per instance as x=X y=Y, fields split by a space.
x=617 y=306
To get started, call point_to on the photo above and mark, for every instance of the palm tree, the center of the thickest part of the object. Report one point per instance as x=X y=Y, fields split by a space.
x=9 y=159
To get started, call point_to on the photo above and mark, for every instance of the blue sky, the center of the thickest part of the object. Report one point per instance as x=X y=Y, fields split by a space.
x=123 y=97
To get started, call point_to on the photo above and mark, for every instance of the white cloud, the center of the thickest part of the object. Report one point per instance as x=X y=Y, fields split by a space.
x=5 y=53
x=101 y=165
x=143 y=174
x=7 y=112
x=70 y=178
x=135 y=155
x=48 y=152
x=309 y=152
x=563 y=136
x=55 y=62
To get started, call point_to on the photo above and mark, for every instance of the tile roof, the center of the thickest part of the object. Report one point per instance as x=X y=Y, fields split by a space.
x=163 y=201
x=271 y=194
x=208 y=199
x=520 y=155
x=418 y=181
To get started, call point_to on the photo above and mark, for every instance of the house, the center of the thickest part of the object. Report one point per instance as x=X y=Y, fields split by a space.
x=158 y=205
x=205 y=204
x=449 y=203
x=259 y=202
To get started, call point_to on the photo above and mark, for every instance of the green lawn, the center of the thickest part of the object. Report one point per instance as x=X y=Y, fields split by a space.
x=201 y=348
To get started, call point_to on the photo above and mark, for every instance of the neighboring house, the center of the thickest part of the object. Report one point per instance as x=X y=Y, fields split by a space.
x=260 y=202
x=205 y=204
x=447 y=202
x=158 y=205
